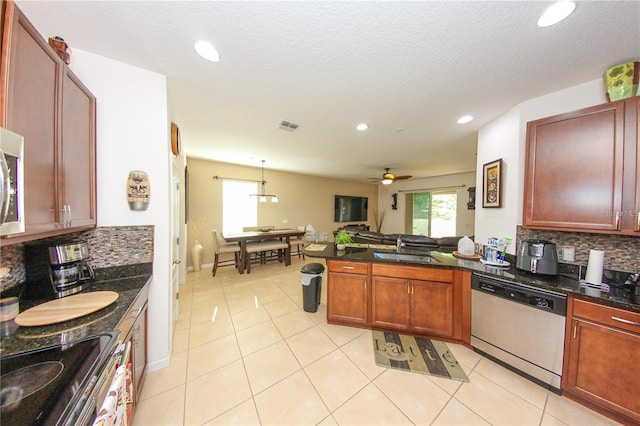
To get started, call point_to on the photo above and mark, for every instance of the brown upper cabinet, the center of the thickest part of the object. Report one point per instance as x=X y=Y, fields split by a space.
x=582 y=170
x=46 y=103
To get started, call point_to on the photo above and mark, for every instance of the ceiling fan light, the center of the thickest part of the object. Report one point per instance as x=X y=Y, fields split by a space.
x=387 y=181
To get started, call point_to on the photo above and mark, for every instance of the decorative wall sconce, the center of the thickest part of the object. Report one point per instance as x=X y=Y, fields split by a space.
x=471 y=204
x=138 y=190
x=394 y=205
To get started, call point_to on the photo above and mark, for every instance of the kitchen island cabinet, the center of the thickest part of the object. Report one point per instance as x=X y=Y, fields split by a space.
x=601 y=368
x=413 y=298
x=419 y=300
x=58 y=129
x=582 y=170
x=348 y=293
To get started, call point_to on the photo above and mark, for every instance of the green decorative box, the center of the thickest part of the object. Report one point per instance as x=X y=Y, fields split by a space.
x=621 y=81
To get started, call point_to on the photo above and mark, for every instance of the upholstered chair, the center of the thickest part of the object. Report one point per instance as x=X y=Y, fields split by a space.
x=220 y=245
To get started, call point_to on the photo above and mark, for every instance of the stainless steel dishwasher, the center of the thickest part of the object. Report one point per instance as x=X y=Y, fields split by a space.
x=520 y=327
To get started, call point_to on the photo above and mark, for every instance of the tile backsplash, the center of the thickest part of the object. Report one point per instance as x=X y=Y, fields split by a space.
x=109 y=246
x=622 y=253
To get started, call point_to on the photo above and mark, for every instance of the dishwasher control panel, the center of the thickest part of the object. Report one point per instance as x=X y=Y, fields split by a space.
x=521 y=293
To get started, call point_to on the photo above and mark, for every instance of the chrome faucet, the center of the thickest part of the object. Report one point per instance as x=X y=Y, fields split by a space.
x=399 y=244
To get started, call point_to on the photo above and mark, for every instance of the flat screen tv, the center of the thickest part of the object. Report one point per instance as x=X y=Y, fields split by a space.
x=350 y=208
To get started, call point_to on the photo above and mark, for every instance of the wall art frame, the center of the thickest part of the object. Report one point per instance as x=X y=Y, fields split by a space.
x=492 y=184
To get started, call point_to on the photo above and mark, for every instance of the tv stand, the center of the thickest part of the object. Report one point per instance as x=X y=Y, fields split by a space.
x=357 y=226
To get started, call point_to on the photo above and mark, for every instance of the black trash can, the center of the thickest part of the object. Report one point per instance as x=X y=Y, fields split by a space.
x=311 y=285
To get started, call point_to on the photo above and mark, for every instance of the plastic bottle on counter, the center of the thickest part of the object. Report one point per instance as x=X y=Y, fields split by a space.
x=466 y=246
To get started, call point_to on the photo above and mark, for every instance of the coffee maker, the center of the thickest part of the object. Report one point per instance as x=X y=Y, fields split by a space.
x=57 y=271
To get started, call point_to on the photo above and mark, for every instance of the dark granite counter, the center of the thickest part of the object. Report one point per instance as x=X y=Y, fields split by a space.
x=16 y=339
x=439 y=259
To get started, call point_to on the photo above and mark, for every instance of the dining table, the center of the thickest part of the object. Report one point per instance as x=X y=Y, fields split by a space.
x=242 y=238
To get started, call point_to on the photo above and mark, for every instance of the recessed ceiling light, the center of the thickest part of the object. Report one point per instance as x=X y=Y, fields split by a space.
x=556 y=13
x=362 y=127
x=207 y=51
x=465 y=119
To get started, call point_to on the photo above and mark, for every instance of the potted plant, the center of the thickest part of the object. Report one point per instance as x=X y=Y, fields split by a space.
x=342 y=238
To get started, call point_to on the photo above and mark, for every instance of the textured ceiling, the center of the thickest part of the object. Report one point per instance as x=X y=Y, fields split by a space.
x=408 y=69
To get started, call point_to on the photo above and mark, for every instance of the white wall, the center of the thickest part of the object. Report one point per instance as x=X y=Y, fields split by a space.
x=394 y=220
x=506 y=138
x=133 y=134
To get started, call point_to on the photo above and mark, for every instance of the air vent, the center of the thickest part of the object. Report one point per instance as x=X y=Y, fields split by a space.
x=288 y=125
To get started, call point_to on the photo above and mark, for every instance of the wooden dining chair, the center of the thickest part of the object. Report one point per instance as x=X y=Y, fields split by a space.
x=220 y=245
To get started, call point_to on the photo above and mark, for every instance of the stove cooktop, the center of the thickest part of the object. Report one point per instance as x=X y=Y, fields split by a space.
x=43 y=387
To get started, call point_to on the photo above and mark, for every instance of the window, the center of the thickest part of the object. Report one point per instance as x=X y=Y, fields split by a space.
x=238 y=208
x=433 y=213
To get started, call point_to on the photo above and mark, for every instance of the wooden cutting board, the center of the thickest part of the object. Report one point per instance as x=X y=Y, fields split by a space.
x=65 y=309
x=467 y=256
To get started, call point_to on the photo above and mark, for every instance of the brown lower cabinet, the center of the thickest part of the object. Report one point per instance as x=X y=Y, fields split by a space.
x=348 y=293
x=419 y=300
x=412 y=298
x=133 y=329
x=601 y=362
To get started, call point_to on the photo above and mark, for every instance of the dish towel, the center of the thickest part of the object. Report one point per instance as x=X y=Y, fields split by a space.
x=114 y=408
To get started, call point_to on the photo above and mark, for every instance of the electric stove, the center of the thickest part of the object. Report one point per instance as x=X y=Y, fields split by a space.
x=55 y=385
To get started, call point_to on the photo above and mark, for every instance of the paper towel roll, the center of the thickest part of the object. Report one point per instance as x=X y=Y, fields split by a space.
x=594 y=267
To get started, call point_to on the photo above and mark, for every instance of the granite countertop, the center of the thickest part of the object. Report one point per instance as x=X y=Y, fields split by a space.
x=16 y=339
x=560 y=283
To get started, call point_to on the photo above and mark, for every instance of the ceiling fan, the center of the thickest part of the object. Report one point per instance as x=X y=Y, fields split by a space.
x=388 y=178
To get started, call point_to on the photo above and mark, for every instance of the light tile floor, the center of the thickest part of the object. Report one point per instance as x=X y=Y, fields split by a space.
x=245 y=353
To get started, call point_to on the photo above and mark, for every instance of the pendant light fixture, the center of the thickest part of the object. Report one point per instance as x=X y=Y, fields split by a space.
x=263 y=196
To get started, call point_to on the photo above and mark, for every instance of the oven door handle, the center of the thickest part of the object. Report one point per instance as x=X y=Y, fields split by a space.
x=122 y=353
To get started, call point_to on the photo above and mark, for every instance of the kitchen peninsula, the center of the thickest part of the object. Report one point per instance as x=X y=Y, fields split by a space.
x=446 y=260
x=429 y=293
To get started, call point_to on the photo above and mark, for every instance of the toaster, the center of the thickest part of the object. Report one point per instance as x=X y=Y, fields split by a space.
x=538 y=257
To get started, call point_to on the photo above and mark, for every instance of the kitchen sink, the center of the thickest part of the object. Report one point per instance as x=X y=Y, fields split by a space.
x=415 y=258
